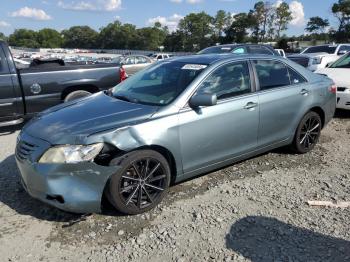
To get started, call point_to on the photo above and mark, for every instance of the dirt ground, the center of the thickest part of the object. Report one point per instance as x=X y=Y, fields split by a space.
x=255 y=210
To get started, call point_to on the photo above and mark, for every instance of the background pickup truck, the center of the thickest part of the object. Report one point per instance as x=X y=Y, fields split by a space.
x=318 y=57
x=24 y=92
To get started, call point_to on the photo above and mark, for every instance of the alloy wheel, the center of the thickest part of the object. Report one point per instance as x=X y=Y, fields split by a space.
x=142 y=183
x=310 y=132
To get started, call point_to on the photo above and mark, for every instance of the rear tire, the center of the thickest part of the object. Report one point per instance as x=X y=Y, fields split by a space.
x=141 y=183
x=76 y=95
x=308 y=133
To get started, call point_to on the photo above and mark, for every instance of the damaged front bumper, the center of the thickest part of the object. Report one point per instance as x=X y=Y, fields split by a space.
x=76 y=188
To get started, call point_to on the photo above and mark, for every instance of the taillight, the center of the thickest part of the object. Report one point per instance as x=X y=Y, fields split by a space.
x=333 y=89
x=123 y=74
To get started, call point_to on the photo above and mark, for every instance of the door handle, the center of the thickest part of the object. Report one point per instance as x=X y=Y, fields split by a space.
x=304 y=92
x=250 y=105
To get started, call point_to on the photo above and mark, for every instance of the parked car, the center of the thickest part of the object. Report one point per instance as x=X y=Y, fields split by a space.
x=339 y=72
x=174 y=120
x=160 y=56
x=240 y=49
x=133 y=63
x=317 y=57
x=25 y=92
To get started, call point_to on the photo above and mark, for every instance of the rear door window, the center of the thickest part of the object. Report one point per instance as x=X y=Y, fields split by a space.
x=271 y=74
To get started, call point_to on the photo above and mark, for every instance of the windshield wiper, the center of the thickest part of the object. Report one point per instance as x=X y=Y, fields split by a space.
x=127 y=99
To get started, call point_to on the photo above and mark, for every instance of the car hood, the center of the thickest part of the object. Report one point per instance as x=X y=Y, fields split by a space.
x=311 y=55
x=81 y=118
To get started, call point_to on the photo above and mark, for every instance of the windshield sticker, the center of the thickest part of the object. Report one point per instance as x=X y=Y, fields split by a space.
x=193 y=67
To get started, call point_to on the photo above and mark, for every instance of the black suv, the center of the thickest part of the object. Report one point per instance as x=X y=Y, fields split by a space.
x=240 y=49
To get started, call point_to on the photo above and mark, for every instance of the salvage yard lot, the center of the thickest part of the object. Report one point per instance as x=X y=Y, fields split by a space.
x=253 y=211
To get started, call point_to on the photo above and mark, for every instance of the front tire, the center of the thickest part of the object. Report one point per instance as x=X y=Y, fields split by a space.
x=141 y=183
x=308 y=133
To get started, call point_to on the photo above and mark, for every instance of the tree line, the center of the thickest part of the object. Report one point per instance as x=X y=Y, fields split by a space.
x=264 y=22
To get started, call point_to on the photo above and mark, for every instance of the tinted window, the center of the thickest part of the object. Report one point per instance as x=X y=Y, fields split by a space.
x=271 y=74
x=228 y=81
x=216 y=50
x=239 y=50
x=159 y=84
x=321 y=49
x=295 y=78
x=260 y=50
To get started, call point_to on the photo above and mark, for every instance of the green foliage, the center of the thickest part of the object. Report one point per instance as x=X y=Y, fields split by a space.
x=174 y=42
x=317 y=25
x=80 y=37
x=283 y=44
x=2 y=36
x=24 y=38
x=341 y=11
x=265 y=22
x=151 y=38
x=119 y=36
x=49 y=38
x=282 y=18
x=237 y=32
x=197 y=31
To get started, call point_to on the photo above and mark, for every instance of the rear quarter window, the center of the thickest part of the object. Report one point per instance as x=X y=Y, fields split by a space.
x=295 y=77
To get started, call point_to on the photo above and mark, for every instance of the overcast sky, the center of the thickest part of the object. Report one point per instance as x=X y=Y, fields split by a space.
x=62 y=14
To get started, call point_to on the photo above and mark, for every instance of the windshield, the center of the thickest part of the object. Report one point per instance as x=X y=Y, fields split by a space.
x=216 y=50
x=158 y=84
x=330 y=49
x=343 y=62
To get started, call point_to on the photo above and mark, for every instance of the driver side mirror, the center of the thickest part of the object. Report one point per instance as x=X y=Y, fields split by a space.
x=204 y=99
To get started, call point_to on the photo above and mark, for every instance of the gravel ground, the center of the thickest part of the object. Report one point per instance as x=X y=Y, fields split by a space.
x=252 y=211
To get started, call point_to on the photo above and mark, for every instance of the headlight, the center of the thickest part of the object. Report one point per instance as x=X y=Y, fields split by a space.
x=71 y=153
x=317 y=60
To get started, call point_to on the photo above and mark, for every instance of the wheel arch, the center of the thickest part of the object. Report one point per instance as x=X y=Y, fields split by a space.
x=166 y=153
x=321 y=113
x=69 y=89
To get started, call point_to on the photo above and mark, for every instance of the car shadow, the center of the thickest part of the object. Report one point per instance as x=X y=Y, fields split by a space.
x=267 y=239
x=15 y=197
x=342 y=114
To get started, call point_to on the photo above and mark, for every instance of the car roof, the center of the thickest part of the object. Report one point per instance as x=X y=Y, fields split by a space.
x=242 y=44
x=213 y=58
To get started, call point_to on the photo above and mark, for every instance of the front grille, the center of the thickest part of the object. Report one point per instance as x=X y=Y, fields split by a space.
x=341 y=89
x=24 y=150
x=303 y=61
